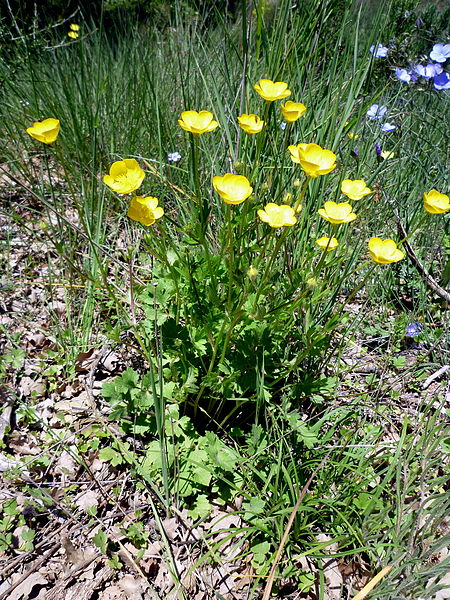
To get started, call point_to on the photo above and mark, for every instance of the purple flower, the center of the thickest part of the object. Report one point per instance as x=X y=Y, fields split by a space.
x=442 y=81
x=404 y=75
x=429 y=71
x=378 y=150
x=386 y=127
x=440 y=52
x=376 y=112
x=414 y=329
x=378 y=50
x=174 y=157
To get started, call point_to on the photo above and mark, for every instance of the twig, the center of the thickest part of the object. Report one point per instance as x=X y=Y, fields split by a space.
x=431 y=283
x=305 y=489
x=429 y=380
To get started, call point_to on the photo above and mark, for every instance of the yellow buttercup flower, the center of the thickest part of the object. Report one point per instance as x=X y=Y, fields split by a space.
x=125 y=176
x=250 y=123
x=272 y=90
x=337 y=213
x=145 y=210
x=234 y=189
x=292 y=111
x=352 y=136
x=387 y=154
x=73 y=34
x=384 y=251
x=197 y=122
x=45 y=131
x=327 y=243
x=355 y=189
x=313 y=159
x=74 y=27
x=436 y=203
x=278 y=215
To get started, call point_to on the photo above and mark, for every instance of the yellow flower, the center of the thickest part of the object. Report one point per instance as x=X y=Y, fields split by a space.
x=355 y=189
x=73 y=34
x=436 y=203
x=234 y=189
x=327 y=243
x=74 y=27
x=197 y=122
x=272 y=90
x=337 y=213
x=352 y=136
x=313 y=159
x=45 y=131
x=384 y=251
x=250 y=123
x=278 y=215
x=292 y=111
x=144 y=210
x=125 y=176
x=387 y=154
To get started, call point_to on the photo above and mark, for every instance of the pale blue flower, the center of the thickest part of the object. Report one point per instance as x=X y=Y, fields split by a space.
x=429 y=71
x=378 y=50
x=414 y=329
x=442 y=81
x=386 y=127
x=404 y=75
x=440 y=52
x=376 y=112
x=174 y=157
x=283 y=125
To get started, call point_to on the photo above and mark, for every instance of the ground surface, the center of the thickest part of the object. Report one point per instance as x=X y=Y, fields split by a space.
x=49 y=405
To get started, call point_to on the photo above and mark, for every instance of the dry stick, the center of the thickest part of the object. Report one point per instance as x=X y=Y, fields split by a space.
x=431 y=283
x=429 y=380
x=305 y=488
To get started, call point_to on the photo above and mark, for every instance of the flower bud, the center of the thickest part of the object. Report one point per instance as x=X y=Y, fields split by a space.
x=239 y=167
x=287 y=198
x=265 y=186
x=252 y=272
x=311 y=283
x=297 y=183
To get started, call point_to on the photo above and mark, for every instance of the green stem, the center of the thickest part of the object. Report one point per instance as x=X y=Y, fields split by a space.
x=302 y=193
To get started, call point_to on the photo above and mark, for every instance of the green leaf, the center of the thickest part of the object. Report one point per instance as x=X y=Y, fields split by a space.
x=201 y=507
x=198 y=459
x=101 y=541
x=110 y=455
x=253 y=507
x=260 y=552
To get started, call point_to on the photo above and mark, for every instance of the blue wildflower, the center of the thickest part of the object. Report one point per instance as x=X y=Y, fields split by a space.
x=414 y=329
x=404 y=75
x=378 y=50
x=378 y=149
x=174 y=157
x=442 y=81
x=440 y=52
x=376 y=112
x=387 y=127
x=429 y=71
